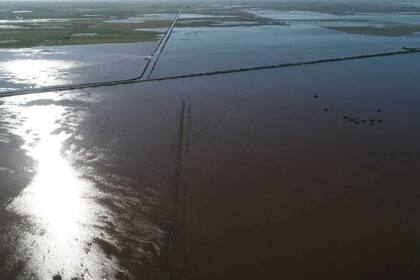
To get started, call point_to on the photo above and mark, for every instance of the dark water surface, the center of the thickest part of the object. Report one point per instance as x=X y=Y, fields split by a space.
x=298 y=173
x=206 y=49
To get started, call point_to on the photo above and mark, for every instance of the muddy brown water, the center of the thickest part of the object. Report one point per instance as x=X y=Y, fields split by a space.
x=240 y=176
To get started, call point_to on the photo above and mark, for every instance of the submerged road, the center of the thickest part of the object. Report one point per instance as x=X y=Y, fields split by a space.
x=150 y=67
x=153 y=59
x=148 y=70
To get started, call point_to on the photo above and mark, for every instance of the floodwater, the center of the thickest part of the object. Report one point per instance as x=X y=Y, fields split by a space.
x=202 y=49
x=49 y=66
x=206 y=49
x=248 y=178
x=298 y=173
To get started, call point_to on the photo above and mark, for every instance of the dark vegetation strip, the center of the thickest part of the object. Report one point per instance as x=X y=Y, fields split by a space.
x=176 y=232
x=211 y=73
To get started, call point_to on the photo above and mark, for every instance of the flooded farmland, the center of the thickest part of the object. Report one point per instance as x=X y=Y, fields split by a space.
x=304 y=172
x=261 y=177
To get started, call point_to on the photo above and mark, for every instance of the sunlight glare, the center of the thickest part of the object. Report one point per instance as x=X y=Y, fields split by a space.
x=55 y=201
x=35 y=71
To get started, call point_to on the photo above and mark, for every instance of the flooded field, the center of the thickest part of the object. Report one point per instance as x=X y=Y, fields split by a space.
x=296 y=36
x=260 y=175
x=203 y=49
x=305 y=172
x=209 y=39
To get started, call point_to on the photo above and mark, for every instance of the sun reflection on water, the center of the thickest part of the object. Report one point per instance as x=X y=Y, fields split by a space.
x=56 y=201
x=38 y=72
x=54 y=196
x=72 y=218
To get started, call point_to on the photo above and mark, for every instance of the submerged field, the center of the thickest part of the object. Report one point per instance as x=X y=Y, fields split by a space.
x=219 y=36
